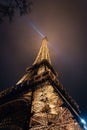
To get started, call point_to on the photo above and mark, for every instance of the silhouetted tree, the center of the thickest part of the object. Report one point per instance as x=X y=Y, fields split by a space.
x=10 y=7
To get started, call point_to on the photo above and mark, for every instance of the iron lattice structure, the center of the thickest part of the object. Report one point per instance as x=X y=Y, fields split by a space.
x=39 y=101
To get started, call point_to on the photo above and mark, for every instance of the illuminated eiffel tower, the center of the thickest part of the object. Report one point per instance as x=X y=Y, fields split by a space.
x=38 y=101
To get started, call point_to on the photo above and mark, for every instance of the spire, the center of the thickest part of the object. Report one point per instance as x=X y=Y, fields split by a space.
x=43 y=52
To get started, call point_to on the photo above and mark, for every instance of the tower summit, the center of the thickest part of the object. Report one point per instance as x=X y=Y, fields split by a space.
x=39 y=101
x=43 y=52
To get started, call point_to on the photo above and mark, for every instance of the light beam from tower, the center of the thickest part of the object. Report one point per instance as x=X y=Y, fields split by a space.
x=36 y=29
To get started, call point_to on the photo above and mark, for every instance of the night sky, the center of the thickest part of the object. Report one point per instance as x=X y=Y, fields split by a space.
x=64 y=22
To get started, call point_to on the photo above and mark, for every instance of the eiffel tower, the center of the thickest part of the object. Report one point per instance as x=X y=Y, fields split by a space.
x=39 y=101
